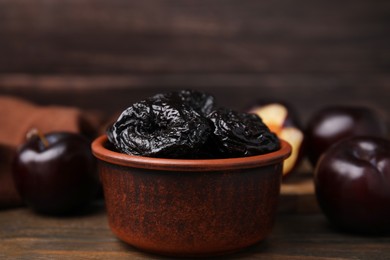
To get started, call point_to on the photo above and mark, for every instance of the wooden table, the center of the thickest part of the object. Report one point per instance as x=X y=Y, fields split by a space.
x=300 y=232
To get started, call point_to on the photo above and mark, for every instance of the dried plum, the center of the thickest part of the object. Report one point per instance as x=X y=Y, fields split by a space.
x=201 y=102
x=239 y=134
x=187 y=124
x=160 y=126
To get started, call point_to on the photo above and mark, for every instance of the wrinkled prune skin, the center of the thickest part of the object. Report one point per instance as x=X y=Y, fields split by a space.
x=161 y=126
x=187 y=124
x=238 y=134
x=201 y=102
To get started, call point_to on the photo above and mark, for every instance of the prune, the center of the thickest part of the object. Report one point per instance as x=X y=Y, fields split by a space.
x=161 y=126
x=201 y=102
x=187 y=124
x=239 y=134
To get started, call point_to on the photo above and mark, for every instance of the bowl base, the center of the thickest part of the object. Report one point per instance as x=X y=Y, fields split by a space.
x=191 y=254
x=186 y=252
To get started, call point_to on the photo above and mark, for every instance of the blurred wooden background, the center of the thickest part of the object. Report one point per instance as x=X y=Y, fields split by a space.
x=103 y=55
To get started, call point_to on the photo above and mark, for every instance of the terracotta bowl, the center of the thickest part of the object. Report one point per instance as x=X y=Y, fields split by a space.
x=182 y=207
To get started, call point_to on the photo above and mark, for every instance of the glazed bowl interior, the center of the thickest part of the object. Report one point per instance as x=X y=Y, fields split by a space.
x=181 y=207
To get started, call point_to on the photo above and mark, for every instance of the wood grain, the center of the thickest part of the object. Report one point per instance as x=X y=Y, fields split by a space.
x=168 y=36
x=104 y=55
x=25 y=235
x=110 y=94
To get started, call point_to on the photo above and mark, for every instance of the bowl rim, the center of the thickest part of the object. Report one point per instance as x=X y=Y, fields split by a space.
x=109 y=156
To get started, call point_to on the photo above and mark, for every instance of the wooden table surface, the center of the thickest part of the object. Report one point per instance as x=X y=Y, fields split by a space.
x=300 y=232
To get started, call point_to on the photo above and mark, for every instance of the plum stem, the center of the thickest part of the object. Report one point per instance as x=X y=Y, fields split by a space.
x=35 y=132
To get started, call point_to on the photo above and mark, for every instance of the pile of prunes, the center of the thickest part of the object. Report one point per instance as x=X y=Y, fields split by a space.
x=187 y=124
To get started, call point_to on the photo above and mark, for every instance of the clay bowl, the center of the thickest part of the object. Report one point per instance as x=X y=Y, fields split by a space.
x=182 y=207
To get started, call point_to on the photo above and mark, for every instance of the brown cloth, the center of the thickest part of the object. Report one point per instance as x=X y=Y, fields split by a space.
x=18 y=117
